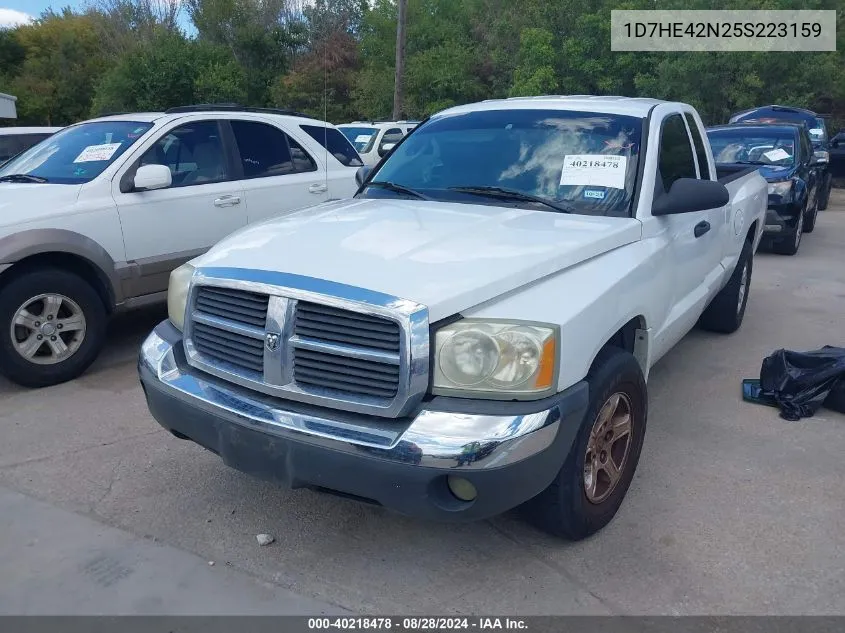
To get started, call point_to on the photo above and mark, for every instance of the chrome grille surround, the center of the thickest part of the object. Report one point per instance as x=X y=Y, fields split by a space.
x=277 y=379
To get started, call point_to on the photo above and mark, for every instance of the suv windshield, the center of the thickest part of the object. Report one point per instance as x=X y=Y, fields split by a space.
x=77 y=154
x=361 y=137
x=580 y=162
x=759 y=146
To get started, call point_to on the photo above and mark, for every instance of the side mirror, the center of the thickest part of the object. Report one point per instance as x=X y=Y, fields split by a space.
x=690 y=194
x=149 y=177
x=385 y=147
x=820 y=158
x=362 y=173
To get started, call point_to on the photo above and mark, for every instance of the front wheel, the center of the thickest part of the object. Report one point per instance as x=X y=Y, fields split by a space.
x=789 y=245
x=598 y=470
x=824 y=196
x=52 y=327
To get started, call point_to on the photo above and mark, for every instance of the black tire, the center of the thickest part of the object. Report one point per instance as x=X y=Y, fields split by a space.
x=789 y=245
x=727 y=309
x=30 y=284
x=824 y=198
x=563 y=509
x=810 y=218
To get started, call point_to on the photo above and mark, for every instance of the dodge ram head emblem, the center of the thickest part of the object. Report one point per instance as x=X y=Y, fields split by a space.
x=271 y=341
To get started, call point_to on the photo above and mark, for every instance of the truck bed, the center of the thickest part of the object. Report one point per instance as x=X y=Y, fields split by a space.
x=728 y=172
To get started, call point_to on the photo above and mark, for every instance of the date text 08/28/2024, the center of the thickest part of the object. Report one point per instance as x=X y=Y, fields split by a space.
x=416 y=623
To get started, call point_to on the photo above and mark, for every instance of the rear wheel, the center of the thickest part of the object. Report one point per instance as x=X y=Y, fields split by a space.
x=598 y=470
x=726 y=311
x=52 y=327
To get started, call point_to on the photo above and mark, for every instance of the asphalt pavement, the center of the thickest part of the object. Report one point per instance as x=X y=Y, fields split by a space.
x=732 y=511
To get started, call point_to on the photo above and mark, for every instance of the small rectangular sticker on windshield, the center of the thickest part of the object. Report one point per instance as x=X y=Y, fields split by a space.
x=594 y=170
x=595 y=194
x=94 y=153
x=363 y=138
x=777 y=154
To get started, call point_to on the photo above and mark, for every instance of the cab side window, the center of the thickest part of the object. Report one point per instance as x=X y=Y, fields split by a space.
x=193 y=152
x=676 y=158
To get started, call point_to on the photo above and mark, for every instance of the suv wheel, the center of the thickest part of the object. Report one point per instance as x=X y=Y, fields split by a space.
x=789 y=245
x=598 y=470
x=52 y=327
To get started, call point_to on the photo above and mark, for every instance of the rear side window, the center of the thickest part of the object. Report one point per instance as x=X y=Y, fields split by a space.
x=675 y=152
x=263 y=148
x=336 y=144
x=701 y=154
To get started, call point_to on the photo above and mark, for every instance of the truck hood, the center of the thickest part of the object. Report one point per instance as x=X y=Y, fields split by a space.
x=446 y=256
x=22 y=202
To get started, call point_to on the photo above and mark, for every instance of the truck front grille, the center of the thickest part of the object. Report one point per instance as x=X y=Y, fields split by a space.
x=299 y=348
x=240 y=306
x=228 y=347
x=336 y=325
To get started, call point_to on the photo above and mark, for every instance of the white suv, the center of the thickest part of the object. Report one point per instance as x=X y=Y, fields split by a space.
x=373 y=139
x=94 y=218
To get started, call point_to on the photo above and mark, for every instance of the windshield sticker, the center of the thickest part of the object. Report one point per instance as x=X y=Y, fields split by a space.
x=594 y=170
x=817 y=131
x=777 y=154
x=594 y=193
x=363 y=138
x=94 y=153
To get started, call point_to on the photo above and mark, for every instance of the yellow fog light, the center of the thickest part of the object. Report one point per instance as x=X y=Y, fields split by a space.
x=462 y=488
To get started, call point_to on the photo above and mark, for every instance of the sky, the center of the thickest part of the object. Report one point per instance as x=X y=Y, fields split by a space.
x=13 y=12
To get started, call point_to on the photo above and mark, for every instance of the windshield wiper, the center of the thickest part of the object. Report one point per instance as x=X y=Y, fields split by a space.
x=512 y=194
x=392 y=186
x=751 y=162
x=22 y=178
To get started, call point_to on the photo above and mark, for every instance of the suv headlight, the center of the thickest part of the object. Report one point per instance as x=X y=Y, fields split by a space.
x=177 y=294
x=496 y=359
x=781 y=188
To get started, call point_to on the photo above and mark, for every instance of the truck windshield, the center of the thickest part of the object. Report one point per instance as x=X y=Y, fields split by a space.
x=578 y=162
x=758 y=146
x=76 y=154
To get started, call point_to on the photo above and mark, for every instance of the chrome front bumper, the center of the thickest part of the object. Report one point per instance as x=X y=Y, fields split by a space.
x=366 y=456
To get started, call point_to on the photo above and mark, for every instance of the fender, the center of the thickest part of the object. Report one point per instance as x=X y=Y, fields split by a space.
x=18 y=246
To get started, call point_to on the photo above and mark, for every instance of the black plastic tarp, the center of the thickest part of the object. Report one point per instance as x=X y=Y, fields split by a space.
x=801 y=382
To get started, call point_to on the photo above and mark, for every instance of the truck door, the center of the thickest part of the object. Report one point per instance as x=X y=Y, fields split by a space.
x=695 y=237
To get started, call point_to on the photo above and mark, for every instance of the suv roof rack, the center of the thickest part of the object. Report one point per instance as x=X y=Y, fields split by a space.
x=231 y=107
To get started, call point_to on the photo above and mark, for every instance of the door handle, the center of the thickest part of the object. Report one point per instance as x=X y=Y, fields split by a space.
x=701 y=228
x=227 y=201
x=319 y=187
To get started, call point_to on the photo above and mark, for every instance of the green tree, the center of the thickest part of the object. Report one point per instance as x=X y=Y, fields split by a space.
x=535 y=74
x=56 y=80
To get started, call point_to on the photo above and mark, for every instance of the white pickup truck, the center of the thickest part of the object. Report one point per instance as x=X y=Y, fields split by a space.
x=474 y=330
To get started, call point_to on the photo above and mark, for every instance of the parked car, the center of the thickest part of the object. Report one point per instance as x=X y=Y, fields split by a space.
x=481 y=335
x=14 y=140
x=816 y=126
x=94 y=218
x=786 y=160
x=375 y=139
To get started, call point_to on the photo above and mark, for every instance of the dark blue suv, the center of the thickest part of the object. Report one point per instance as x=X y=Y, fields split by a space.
x=784 y=156
x=815 y=125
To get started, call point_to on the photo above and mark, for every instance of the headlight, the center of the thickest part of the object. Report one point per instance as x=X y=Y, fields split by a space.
x=177 y=294
x=495 y=359
x=782 y=188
